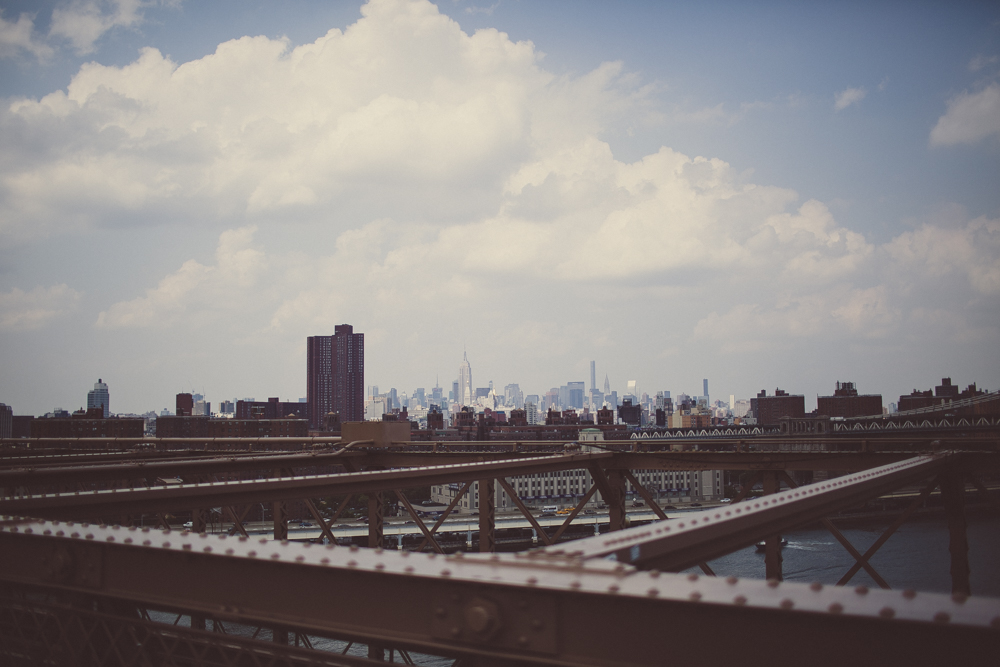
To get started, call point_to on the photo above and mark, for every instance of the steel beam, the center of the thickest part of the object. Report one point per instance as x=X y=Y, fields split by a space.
x=681 y=543
x=494 y=609
x=487 y=516
x=110 y=503
x=953 y=492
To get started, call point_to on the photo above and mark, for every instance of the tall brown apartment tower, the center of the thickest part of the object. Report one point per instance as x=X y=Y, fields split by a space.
x=335 y=375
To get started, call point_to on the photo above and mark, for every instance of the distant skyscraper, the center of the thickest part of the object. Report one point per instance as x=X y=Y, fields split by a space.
x=593 y=377
x=335 y=375
x=704 y=384
x=98 y=397
x=465 y=395
x=607 y=385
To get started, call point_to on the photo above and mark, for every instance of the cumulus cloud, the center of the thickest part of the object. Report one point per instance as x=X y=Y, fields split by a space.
x=970 y=117
x=194 y=288
x=847 y=97
x=26 y=311
x=417 y=180
x=83 y=22
x=18 y=36
x=981 y=61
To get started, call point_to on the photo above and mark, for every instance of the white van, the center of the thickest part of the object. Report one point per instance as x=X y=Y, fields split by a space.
x=550 y=509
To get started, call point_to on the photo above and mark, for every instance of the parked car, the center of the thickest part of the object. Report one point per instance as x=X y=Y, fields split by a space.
x=727 y=500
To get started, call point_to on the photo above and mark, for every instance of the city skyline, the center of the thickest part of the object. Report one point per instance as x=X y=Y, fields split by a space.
x=761 y=197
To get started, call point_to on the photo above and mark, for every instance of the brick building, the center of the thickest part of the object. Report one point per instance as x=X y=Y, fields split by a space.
x=770 y=409
x=846 y=402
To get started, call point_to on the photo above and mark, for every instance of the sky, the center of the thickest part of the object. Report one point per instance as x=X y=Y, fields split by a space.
x=768 y=194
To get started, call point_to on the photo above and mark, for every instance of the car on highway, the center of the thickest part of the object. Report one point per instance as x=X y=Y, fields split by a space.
x=589 y=512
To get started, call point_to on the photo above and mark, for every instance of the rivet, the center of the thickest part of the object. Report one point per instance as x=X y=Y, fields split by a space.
x=166 y=545
x=299 y=558
x=207 y=550
x=861 y=590
x=229 y=552
x=354 y=547
x=408 y=569
x=574 y=584
x=47 y=532
x=695 y=596
x=816 y=586
x=324 y=561
x=613 y=588
x=653 y=592
x=787 y=603
x=251 y=554
x=352 y=563
x=835 y=608
x=909 y=594
x=654 y=573
x=731 y=580
x=110 y=538
x=773 y=583
x=942 y=617
x=532 y=581
x=886 y=612
x=445 y=572
x=378 y=566
x=739 y=600
x=146 y=543
x=692 y=577
x=959 y=597
x=128 y=540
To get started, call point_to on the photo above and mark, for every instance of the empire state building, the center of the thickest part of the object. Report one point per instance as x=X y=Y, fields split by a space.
x=464 y=382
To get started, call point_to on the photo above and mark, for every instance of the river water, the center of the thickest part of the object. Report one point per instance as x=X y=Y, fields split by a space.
x=916 y=556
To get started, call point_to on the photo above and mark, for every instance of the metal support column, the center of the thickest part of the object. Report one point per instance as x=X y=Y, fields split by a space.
x=772 y=543
x=616 y=501
x=199 y=521
x=487 y=515
x=375 y=515
x=280 y=512
x=952 y=492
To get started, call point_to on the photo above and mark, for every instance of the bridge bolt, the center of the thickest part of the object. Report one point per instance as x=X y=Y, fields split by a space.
x=482 y=618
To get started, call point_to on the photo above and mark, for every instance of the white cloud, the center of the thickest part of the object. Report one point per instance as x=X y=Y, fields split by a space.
x=981 y=61
x=19 y=36
x=970 y=117
x=847 y=97
x=195 y=289
x=426 y=184
x=26 y=311
x=83 y=22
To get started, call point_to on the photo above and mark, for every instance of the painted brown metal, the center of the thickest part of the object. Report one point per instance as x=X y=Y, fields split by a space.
x=88 y=505
x=491 y=609
x=487 y=515
x=680 y=543
x=952 y=491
